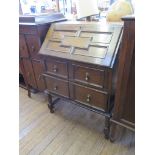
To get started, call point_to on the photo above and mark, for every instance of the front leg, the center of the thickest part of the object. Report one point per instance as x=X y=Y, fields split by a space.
x=107 y=127
x=50 y=103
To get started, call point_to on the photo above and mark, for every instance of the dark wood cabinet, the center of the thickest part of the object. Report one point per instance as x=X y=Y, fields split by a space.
x=124 y=105
x=29 y=45
x=31 y=37
x=80 y=62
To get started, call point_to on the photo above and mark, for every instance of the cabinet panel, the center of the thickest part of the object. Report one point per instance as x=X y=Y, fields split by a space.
x=39 y=69
x=29 y=73
x=34 y=44
x=23 y=52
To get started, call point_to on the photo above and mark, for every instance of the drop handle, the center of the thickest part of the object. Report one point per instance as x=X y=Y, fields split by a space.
x=55 y=69
x=88 y=98
x=56 y=88
x=33 y=49
x=87 y=76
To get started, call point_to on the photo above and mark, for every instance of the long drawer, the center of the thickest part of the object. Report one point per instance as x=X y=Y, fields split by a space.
x=89 y=96
x=56 y=85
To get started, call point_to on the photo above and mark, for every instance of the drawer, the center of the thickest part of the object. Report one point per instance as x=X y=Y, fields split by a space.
x=90 y=76
x=27 y=29
x=89 y=96
x=57 y=86
x=58 y=68
x=34 y=44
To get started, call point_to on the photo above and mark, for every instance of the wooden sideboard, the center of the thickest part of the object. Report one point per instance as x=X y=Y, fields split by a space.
x=32 y=32
x=80 y=65
x=124 y=106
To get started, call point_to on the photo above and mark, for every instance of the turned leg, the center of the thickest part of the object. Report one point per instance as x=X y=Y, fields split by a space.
x=50 y=103
x=107 y=127
x=29 y=91
x=112 y=134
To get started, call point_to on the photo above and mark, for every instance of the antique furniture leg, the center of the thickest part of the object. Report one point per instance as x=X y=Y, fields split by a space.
x=112 y=135
x=50 y=103
x=29 y=91
x=107 y=127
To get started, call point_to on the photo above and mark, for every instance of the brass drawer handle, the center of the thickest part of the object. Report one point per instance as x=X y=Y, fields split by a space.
x=55 y=69
x=56 y=88
x=87 y=76
x=88 y=98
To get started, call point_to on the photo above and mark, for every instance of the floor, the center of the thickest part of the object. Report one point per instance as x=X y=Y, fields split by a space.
x=71 y=130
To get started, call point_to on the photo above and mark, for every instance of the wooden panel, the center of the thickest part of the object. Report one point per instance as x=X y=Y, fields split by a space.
x=57 y=67
x=94 y=52
x=23 y=52
x=39 y=69
x=124 y=109
x=90 y=96
x=76 y=42
x=59 y=35
x=56 y=46
x=88 y=75
x=57 y=86
x=29 y=73
x=27 y=29
x=84 y=42
x=98 y=37
x=34 y=44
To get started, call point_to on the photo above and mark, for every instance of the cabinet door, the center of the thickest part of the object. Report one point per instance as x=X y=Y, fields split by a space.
x=39 y=68
x=33 y=43
x=29 y=73
x=23 y=52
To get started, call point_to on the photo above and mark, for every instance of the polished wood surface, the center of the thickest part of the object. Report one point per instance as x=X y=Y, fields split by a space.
x=80 y=61
x=84 y=42
x=124 y=107
x=71 y=130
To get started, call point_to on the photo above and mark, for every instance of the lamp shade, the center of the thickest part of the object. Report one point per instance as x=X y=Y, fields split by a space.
x=86 y=8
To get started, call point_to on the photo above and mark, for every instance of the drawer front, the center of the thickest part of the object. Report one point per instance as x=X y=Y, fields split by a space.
x=89 y=96
x=88 y=75
x=58 y=68
x=57 y=86
x=23 y=51
x=34 y=44
x=27 y=29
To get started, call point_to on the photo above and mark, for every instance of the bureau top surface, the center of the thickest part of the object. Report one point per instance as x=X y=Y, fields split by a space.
x=87 y=42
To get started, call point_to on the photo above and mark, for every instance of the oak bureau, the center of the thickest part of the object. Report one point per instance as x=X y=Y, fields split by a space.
x=80 y=65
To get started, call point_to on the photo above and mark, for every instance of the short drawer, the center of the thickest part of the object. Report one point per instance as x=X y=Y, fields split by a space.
x=89 y=96
x=27 y=29
x=57 y=86
x=58 y=68
x=34 y=44
x=88 y=75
